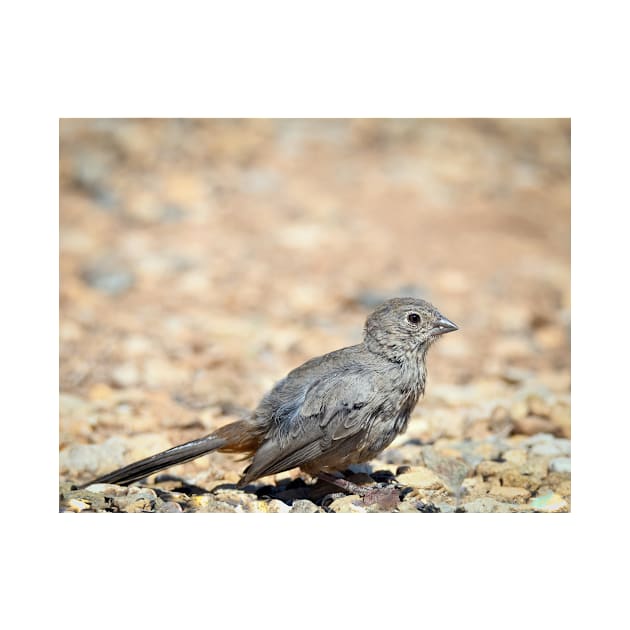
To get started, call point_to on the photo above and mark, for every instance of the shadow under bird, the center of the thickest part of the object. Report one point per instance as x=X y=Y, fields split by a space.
x=342 y=408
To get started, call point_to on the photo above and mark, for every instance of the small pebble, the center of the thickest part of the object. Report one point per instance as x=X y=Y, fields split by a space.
x=508 y=493
x=107 y=488
x=490 y=468
x=349 y=503
x=535 y=467
x=551 y=337
x=170 y=506
x=304 y=506
x=421 y=477
x=560 y=414
x=125 y=375
x=198 y=502
x=515 y=456
x=560 y=464
x=518 y=410
x=486 y=504
x=274 y=506
x=408 y=507
x=537 y=406
x=549 y=502
x=78 y=506
x=515 y=375
x=533 y=424
x=108 y=275
x=557 y=447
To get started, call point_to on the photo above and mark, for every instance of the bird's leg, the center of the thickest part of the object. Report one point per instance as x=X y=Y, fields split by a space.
x=389 y=496
x=344 y=484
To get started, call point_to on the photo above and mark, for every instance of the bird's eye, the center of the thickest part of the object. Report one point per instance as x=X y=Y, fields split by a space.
x=413 y=318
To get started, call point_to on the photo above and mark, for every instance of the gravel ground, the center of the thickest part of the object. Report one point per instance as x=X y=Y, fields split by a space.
x=507 y=471
x=522 y=475
x=202 y=260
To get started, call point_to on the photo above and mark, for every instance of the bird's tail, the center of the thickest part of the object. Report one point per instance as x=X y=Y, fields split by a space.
x=237 y=437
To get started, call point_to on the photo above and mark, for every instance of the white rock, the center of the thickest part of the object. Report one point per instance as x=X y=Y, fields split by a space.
x=560 y=464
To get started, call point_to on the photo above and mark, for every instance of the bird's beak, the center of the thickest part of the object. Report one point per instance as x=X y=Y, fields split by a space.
x=442 y=326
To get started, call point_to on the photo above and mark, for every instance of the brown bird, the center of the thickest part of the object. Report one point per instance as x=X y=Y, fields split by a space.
x=339 y=409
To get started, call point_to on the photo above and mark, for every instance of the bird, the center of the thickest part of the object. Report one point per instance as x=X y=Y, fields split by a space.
x=333 y=411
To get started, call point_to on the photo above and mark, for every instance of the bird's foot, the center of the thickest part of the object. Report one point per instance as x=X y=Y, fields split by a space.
x=388 y=496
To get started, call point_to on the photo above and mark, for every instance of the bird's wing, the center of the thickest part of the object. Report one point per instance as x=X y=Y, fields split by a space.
x=331 y=411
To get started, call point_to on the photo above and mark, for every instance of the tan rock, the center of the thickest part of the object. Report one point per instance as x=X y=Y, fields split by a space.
x=77 y=505
x=349 y=503
x=491 y=469
x=107 y=488
x=408 y=507
x=125 y=375
x=276 y=506
x=564 y=488
x=551 y=337
x=487 y=450
x=515 y=456
x=100 y=391
x=513 y=478
x=531 y=425
x=560 y=415
x=421 y=477
x=475 y=487
x=538 y=406
x=518 y=410
x=200 y=501
x=508 y=493
x=536 y=467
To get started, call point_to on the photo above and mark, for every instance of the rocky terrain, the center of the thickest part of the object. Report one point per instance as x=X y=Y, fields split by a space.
x=202 y=260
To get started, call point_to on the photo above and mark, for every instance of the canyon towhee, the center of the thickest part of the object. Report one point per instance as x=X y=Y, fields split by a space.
x=342 y=408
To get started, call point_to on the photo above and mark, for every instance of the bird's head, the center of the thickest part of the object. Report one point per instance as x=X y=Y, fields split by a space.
x=401 y=327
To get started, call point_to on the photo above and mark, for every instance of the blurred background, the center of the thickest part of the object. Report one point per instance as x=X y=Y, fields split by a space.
x=202 y=259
